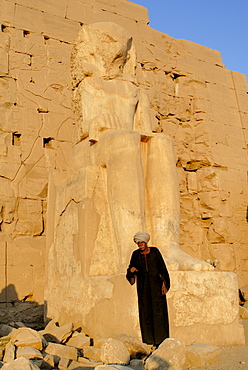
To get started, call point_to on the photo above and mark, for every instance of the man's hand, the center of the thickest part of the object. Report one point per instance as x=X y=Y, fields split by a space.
x=164 y=289
x=133 y=269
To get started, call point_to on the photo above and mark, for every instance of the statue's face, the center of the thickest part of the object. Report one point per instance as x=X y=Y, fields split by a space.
x=106 y=50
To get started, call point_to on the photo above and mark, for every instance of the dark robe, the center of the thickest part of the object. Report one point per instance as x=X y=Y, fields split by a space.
x=153 y=314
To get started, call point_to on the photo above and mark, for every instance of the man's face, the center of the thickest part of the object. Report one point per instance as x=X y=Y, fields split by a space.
x=142 y=245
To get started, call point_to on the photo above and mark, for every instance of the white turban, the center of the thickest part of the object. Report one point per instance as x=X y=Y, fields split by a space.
x=141 y=236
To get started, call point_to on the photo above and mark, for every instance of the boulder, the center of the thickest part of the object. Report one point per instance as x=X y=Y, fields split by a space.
x=78 y=340
x=114 y=351
x=201 y=354
x=135 y=347
x=21 y=363
x=169 y=355
x=62 y=351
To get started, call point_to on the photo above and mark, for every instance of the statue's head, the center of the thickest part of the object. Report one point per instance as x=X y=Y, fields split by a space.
x=104 y=50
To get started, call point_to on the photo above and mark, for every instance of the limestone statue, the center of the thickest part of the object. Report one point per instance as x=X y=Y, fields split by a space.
x=140 y=189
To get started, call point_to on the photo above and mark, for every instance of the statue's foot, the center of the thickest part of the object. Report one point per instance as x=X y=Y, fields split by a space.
x=171 y=265
x=187 y=263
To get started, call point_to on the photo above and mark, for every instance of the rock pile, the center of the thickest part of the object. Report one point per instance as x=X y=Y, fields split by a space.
x=64 y=347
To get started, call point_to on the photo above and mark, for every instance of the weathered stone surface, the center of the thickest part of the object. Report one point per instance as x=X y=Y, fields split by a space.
x=199 y=354
x=59 y=334
x=243 y=312
x=79 y=340
x=21 y=363
x=109 y=367
x=196 y=301
x=3 y=342
x=135 y=347
x=244 y=291
x=114 y=352
x=93 y=353
x=137 y=364
x=63 y=363
x=62 y=351
x=48 y=362
x=9 y=353
x=29 y=352
x=26 y=337
x=193 y=98
x=169 y=355
x=79 y=365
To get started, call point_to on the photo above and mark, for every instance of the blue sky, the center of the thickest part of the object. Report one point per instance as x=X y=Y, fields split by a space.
x=218 y=24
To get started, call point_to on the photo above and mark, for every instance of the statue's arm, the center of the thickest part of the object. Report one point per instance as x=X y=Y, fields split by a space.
x=142 y=122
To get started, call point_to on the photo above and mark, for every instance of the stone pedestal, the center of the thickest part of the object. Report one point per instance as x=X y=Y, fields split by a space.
x=203 y=307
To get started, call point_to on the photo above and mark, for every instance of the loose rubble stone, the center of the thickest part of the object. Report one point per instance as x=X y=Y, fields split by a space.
x=62 y=351
x=28 y=352
x=112 y=367
x=21 y=363
x=135 y=347
x=83 y=360
x=63 y=363
x=9 y=354
x=93 y=353
x=4 y=341
x=114 y=352
x=26 y=337
x=79 y=340
x=137 y=364
x=200 y=354
x=57 y=334
x=48 y=362
x=169 y=355
x=79 y=365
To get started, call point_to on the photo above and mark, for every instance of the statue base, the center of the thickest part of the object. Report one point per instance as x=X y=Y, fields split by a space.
x=203 y=307
x=84 y=287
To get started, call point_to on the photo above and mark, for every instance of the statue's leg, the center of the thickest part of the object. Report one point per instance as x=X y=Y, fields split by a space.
x=164 y=204
x=120 y=152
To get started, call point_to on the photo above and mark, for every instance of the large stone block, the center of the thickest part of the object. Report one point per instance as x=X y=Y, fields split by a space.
x=203 y=307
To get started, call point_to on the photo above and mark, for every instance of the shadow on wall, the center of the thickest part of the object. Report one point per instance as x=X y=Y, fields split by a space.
x=8 y=294
x=26 y=311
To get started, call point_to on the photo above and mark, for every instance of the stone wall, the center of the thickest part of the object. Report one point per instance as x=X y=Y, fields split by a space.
x=194 y=98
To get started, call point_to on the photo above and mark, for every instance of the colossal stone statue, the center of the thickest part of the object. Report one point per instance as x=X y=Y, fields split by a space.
x=121 y=179
x=113 y=113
